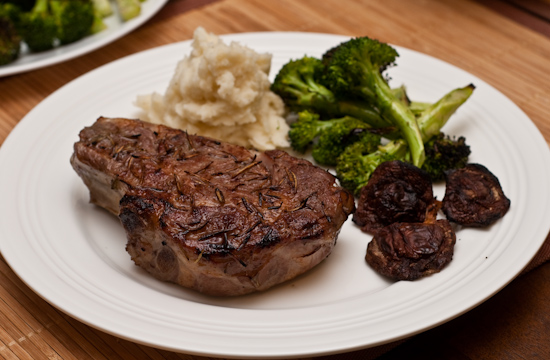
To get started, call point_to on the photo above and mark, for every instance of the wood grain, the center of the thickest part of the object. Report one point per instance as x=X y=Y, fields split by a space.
x=504 y=53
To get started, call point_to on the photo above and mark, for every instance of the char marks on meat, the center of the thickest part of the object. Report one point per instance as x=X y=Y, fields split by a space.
x=474 y=197
x=208 y=215
x=396 y=192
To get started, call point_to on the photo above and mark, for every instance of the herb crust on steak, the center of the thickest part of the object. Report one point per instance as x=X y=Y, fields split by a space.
x=209 y=215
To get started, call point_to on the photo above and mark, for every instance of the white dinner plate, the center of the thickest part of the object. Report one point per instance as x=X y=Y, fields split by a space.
x=73 y=254
x=116 y=28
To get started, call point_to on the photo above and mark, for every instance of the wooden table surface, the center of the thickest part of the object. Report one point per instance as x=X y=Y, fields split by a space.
x=512 y=56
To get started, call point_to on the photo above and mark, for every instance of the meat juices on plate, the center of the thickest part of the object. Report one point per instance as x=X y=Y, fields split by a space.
x=208 y=215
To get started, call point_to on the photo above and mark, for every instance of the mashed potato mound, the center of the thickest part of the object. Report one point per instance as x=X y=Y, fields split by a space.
x=221 y=91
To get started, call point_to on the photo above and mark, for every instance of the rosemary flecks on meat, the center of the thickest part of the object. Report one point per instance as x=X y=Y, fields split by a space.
x=214 y=234
x=292 y=178
x=269 y=198
x=204 y=168
x=129 y=162
x=239 y=260
x=219 y=195
x=245 y=241
x=260 y=199
x=302 y=205
x=189 y=141
x=96 y=139
x=266 y=239
x=259 y=177
x=251 y=208
x=248 y=234
x=199 y=179
x=189 y=156
x=178 y=184
x=249 y=166
x=253 y=227
x=229 y=155
x=117 y=150
x=132 y=137
x=200 y=226
x=246 y=205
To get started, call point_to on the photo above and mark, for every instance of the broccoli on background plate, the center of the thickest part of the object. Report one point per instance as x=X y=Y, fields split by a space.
x=46 y=24
x=10 y=42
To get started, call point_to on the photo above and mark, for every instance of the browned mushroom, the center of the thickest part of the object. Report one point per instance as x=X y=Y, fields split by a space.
x=396 y=192
x=408 y=251
x=474 y=197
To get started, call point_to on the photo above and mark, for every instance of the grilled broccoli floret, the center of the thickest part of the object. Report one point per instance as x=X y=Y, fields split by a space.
x=355 y=165
x=74 y=19
x=328 y=138
x=354 y=69
x=9 y=41
x=444 y=153
x=297 y=83
x=38 y=27
x=332 y=143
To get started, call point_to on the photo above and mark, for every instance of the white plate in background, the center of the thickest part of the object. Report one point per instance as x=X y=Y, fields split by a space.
x=116 y=28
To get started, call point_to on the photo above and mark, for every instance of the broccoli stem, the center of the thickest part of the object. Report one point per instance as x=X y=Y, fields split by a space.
x=417 y=107
x=435 y=116
x=362 y=111
x=403 y=118
x=354 y=167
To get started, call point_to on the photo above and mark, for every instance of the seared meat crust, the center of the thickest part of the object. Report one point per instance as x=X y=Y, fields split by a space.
x=208 y=215
x=474 y=197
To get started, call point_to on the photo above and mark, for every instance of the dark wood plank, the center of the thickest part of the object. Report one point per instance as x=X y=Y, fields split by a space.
x=530 y=13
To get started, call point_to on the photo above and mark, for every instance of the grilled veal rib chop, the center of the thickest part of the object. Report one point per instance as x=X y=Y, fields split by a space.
x=208 y=215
